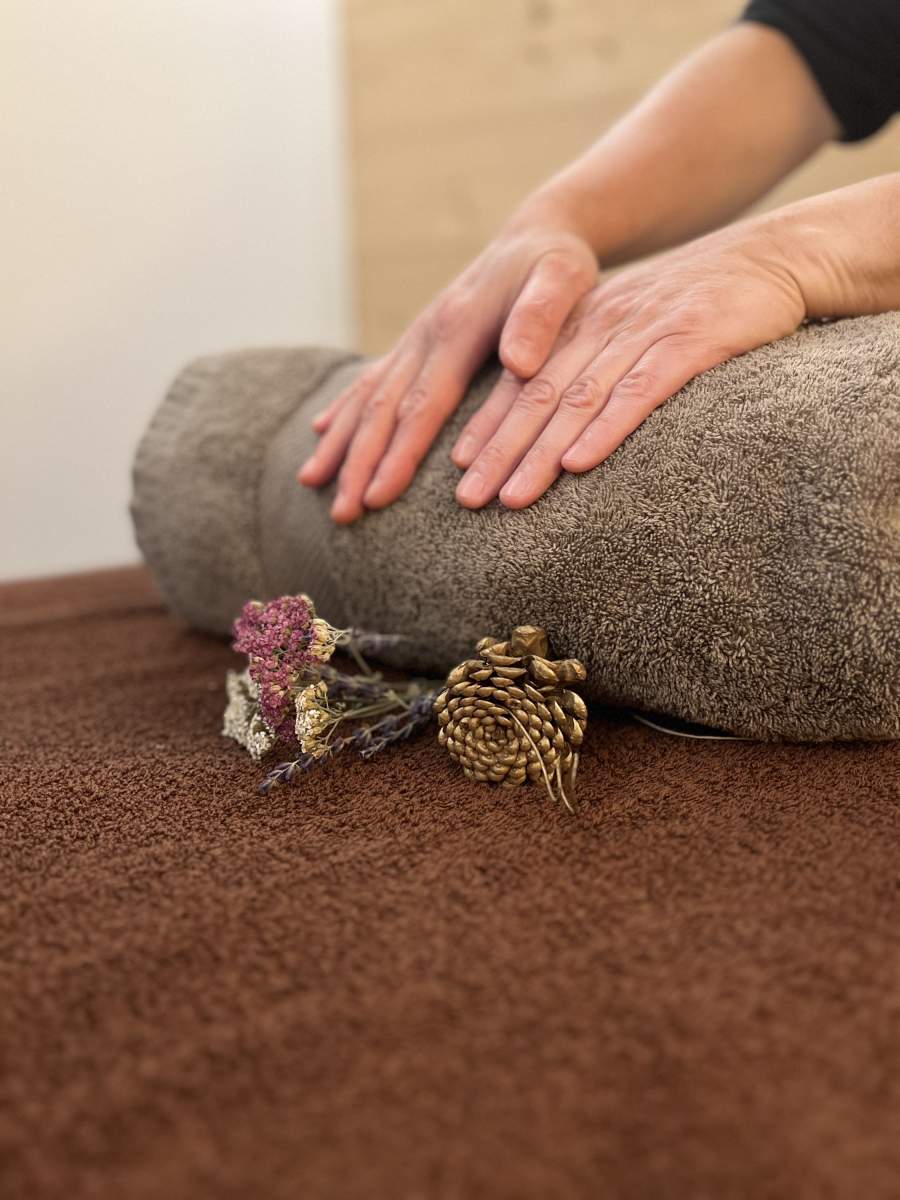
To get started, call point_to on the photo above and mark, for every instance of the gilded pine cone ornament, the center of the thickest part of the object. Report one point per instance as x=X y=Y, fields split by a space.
x=508 y=715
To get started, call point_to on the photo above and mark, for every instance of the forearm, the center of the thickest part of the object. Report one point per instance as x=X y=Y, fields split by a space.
x=842 y=248
x=712 y=137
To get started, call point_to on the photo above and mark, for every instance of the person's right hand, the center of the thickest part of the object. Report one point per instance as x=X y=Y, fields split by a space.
x=517 y=293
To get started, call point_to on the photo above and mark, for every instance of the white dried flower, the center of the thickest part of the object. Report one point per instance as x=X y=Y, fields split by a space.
x=242 y=720
x=260 y=738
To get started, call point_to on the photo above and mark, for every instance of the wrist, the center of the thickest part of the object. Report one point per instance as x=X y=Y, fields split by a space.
x=600 y=206
x=781 y=244
x=811 y=249
x=843 y=248
x=551 y=208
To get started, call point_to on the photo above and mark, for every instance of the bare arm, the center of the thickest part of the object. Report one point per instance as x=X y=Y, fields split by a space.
x=843 y=247
x=708 y=140
x=640 y=335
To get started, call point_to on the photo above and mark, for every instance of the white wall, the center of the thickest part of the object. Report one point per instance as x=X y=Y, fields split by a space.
x=172 y=184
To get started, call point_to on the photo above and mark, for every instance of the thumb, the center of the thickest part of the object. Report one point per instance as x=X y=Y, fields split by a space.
x=554 y=286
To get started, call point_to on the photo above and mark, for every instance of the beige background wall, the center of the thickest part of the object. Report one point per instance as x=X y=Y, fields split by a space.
x=173 y=184
x=456 y=110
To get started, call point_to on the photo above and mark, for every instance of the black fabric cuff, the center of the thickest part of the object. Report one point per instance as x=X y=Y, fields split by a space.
x=849 y=82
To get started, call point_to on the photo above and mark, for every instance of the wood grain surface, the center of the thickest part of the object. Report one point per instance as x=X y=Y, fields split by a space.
x=455 y=111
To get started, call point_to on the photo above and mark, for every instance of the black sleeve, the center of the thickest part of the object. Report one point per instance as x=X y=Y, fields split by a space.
x=853 y=50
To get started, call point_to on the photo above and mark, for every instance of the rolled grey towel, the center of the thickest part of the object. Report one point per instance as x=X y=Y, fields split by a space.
x=736 y=562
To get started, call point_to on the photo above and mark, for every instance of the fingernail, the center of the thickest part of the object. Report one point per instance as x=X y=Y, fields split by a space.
x=465 y=445
x=339 y=507
x=305 y=471
x=573 y=458
x=579 y=447
x=516 y=488
x=370 y=496
x=470 y=487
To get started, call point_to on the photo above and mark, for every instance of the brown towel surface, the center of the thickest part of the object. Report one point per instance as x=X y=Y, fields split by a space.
x=387 y=982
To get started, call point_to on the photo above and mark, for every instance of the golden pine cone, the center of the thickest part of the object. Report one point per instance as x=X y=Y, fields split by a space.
x=508 y=716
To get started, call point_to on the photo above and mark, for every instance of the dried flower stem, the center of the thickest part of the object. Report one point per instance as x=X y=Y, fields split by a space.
x=349 y=643
x=368 y=739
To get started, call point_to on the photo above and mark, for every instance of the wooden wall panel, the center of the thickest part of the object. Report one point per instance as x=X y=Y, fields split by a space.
x=456 y=110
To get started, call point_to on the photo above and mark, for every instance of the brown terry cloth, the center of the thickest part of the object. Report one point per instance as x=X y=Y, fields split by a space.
x=387 y=982
x=735 y=562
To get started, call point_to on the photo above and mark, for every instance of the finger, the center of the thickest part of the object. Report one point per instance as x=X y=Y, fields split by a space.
x=659 y=373
x=322 y=420
x=482 y=426
x=366 y=380
x=529 y=414
x=314 y=471
x=374 y=429
x=422 y=412
x=322 y=464
x=555 y=285
x=579 y=404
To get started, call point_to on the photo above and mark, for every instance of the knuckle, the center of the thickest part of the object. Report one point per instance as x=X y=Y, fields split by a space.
x=369 y=375
x=637 y=384
x=538 y=395
x=692 y=320
x=581 y=278
x=378 y=403
x=413 y=403
x=537 y=310
x=572 y=328
x=449 y=316
x=541 y=456
x=616 y=308
x=367 y=380
x=570 y=267
x=356 y=392
x=492 y=456
x=581 y=396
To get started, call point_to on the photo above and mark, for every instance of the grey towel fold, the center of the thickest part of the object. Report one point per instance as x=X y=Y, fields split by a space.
x=736 y=562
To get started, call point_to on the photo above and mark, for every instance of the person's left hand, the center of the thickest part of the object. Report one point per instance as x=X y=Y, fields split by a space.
x=628 y=345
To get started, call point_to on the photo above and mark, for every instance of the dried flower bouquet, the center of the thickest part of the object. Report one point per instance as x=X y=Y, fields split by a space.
x=290 y=696
x=507 y=716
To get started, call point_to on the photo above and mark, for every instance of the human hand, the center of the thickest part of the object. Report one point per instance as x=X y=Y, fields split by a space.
x=519 y=290
x=627 y=346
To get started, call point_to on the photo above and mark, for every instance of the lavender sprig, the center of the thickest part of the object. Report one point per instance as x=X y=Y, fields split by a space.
x=396 y=727
x=369 y=642
x=371 y=686
x=368 y=740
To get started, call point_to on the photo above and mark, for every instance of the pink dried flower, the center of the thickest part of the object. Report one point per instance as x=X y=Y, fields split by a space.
x=282 y=639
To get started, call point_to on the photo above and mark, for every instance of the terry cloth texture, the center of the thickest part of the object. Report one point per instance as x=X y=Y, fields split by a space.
x=389 y=982
x=735 y=563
